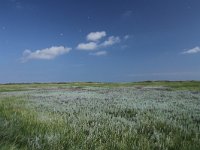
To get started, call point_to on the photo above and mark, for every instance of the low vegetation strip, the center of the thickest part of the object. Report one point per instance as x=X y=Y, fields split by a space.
x=175 y=85
x=99 y=118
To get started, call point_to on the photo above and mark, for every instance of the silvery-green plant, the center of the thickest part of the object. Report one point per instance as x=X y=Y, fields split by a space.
x=107 y=118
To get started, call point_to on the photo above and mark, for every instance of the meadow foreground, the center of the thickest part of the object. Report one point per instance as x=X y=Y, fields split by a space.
x=100 y=116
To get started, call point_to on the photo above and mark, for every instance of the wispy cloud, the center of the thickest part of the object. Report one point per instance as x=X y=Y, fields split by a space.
x=192 y=51
x=95 y=36
x=17 y=4
x=126 y=37
x=46 y=54
x=87 y=46
x=99 y=53
x=111 y=41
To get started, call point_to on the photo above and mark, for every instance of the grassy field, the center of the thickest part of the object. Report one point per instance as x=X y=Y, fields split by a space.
x=139 y=116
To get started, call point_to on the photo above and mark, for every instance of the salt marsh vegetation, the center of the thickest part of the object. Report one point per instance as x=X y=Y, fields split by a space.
x=57 y=117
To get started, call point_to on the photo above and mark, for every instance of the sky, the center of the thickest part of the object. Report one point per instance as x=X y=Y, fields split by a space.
x=99 y=40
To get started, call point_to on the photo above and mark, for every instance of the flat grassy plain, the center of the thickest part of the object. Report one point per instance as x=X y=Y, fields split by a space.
x=159 y=115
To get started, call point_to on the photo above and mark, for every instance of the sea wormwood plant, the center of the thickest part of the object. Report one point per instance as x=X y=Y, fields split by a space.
x=100 y=118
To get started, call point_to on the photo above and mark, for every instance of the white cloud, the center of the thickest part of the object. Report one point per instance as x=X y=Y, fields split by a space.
x=87 y=46
x=111 y=41
x=46 y=54
x=192 y=51
x=100 y=53
x=95 y=36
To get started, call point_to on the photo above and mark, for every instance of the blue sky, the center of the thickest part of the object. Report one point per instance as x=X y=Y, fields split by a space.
x=99 y=40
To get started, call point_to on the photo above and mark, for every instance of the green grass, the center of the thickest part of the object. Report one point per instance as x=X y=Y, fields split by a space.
x=173 y=85
x=21 y=128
